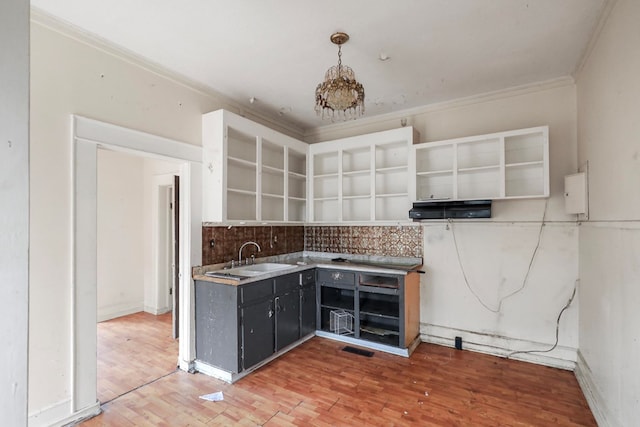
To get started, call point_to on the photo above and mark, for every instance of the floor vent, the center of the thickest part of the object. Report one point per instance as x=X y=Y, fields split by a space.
x=359 y=351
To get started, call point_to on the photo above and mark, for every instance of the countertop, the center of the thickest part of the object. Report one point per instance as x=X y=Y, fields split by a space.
x=306 y=260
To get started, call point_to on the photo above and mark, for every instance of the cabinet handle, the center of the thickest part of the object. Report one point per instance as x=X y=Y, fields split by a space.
x=270 y=312
x=277 y=302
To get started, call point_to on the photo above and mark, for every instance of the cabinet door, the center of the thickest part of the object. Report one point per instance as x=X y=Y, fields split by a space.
x=308 y=310
x=287 y=309
x=257 y=332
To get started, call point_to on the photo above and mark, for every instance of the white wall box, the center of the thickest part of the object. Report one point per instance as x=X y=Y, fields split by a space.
x=504 y=165
x=251 y=172
x=362 y=178
x=575 y=193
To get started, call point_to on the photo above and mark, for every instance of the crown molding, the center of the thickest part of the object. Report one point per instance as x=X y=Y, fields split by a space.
x=363 y=125
x=44 y=19
x=595 y=35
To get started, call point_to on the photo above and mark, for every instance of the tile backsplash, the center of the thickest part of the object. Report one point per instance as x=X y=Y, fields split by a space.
x=277 y=240
x=367 y=240
x=273 y=240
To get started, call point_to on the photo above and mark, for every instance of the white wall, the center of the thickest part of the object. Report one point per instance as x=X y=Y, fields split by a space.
x=495 y=254
x=121 y=242
x=70 y=77
x=14 y=215
x=609 y=140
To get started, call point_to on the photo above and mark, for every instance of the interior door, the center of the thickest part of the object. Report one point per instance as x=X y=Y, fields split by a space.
x=176 y=255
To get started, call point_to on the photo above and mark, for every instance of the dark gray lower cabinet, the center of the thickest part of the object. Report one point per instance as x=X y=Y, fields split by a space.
x=257 y=332
x=287 y=308
x=238 y=327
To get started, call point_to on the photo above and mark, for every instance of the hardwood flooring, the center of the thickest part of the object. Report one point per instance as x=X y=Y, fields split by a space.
x=318 y=384
x=132 y=351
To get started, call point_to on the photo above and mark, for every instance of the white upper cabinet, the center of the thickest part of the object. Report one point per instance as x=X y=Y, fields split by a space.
x=251 y=173
x=504 y=165
x=362 y=178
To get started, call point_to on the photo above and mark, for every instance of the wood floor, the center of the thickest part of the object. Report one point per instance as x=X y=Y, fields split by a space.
x=132 y=351
x=318 y=384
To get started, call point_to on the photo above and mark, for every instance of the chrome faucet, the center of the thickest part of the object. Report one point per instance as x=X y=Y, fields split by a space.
x=242 y=247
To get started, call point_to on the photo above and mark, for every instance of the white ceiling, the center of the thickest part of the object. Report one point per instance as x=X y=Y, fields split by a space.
x=278 y=51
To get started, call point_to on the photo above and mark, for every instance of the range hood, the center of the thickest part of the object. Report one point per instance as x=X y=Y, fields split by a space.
x=443 y=209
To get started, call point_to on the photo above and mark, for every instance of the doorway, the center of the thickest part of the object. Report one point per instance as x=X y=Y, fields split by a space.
x=137 y=244
x=87 y=136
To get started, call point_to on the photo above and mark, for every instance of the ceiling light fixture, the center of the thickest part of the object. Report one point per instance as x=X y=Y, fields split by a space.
x=340 y=95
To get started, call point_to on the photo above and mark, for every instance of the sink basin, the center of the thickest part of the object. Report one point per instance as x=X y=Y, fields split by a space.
x=268 y=266
x=253 y=270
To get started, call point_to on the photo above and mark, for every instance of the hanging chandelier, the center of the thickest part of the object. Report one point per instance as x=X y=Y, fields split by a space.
x=340 y=95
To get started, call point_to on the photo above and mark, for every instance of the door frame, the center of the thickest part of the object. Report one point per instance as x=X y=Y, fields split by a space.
x=87 y=136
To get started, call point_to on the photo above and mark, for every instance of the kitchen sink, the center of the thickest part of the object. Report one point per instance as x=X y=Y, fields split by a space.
x=250 y=270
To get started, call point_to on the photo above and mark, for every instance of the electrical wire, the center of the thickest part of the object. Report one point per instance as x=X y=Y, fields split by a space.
x=526 y=276
x=555 y=344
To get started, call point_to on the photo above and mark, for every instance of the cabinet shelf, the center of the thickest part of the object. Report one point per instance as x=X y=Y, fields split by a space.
x=524 y=164
x=480 y=168
x=380 y=308
x=297 y=175
x=241 y=162
x=387 y=195
x=238 y=191
x=357 y=173
x=438 y=172
x=271 y=169
x=326 y=175
x=301 y=199
x=273 y=196
x=362 y=196
x=391 y=169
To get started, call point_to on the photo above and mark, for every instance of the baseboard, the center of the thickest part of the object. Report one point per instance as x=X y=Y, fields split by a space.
x=404 y=352
x=561 y=357
x=119 y=310
x=60 y=414
x=156 y=311
x=231 y=377
x=583 y=373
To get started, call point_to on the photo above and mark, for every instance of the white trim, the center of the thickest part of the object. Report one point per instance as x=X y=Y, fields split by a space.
x=134 y=141
x=87 y=136
x=561 y=357
x=57 y=415
x=594 y=398
x=231 y=377
x=595 y=35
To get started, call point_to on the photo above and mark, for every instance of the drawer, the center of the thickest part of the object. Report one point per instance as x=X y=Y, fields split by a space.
x=337 y=277
x=286 y=283
x=308 y=277
x=256 y=291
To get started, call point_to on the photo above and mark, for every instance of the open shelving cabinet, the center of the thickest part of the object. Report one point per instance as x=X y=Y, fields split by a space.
x=503 y=165
x=361 y=179
x=252 y=173
x=385 y=307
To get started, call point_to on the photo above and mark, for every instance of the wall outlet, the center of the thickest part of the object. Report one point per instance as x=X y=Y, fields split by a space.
x=458 y=343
